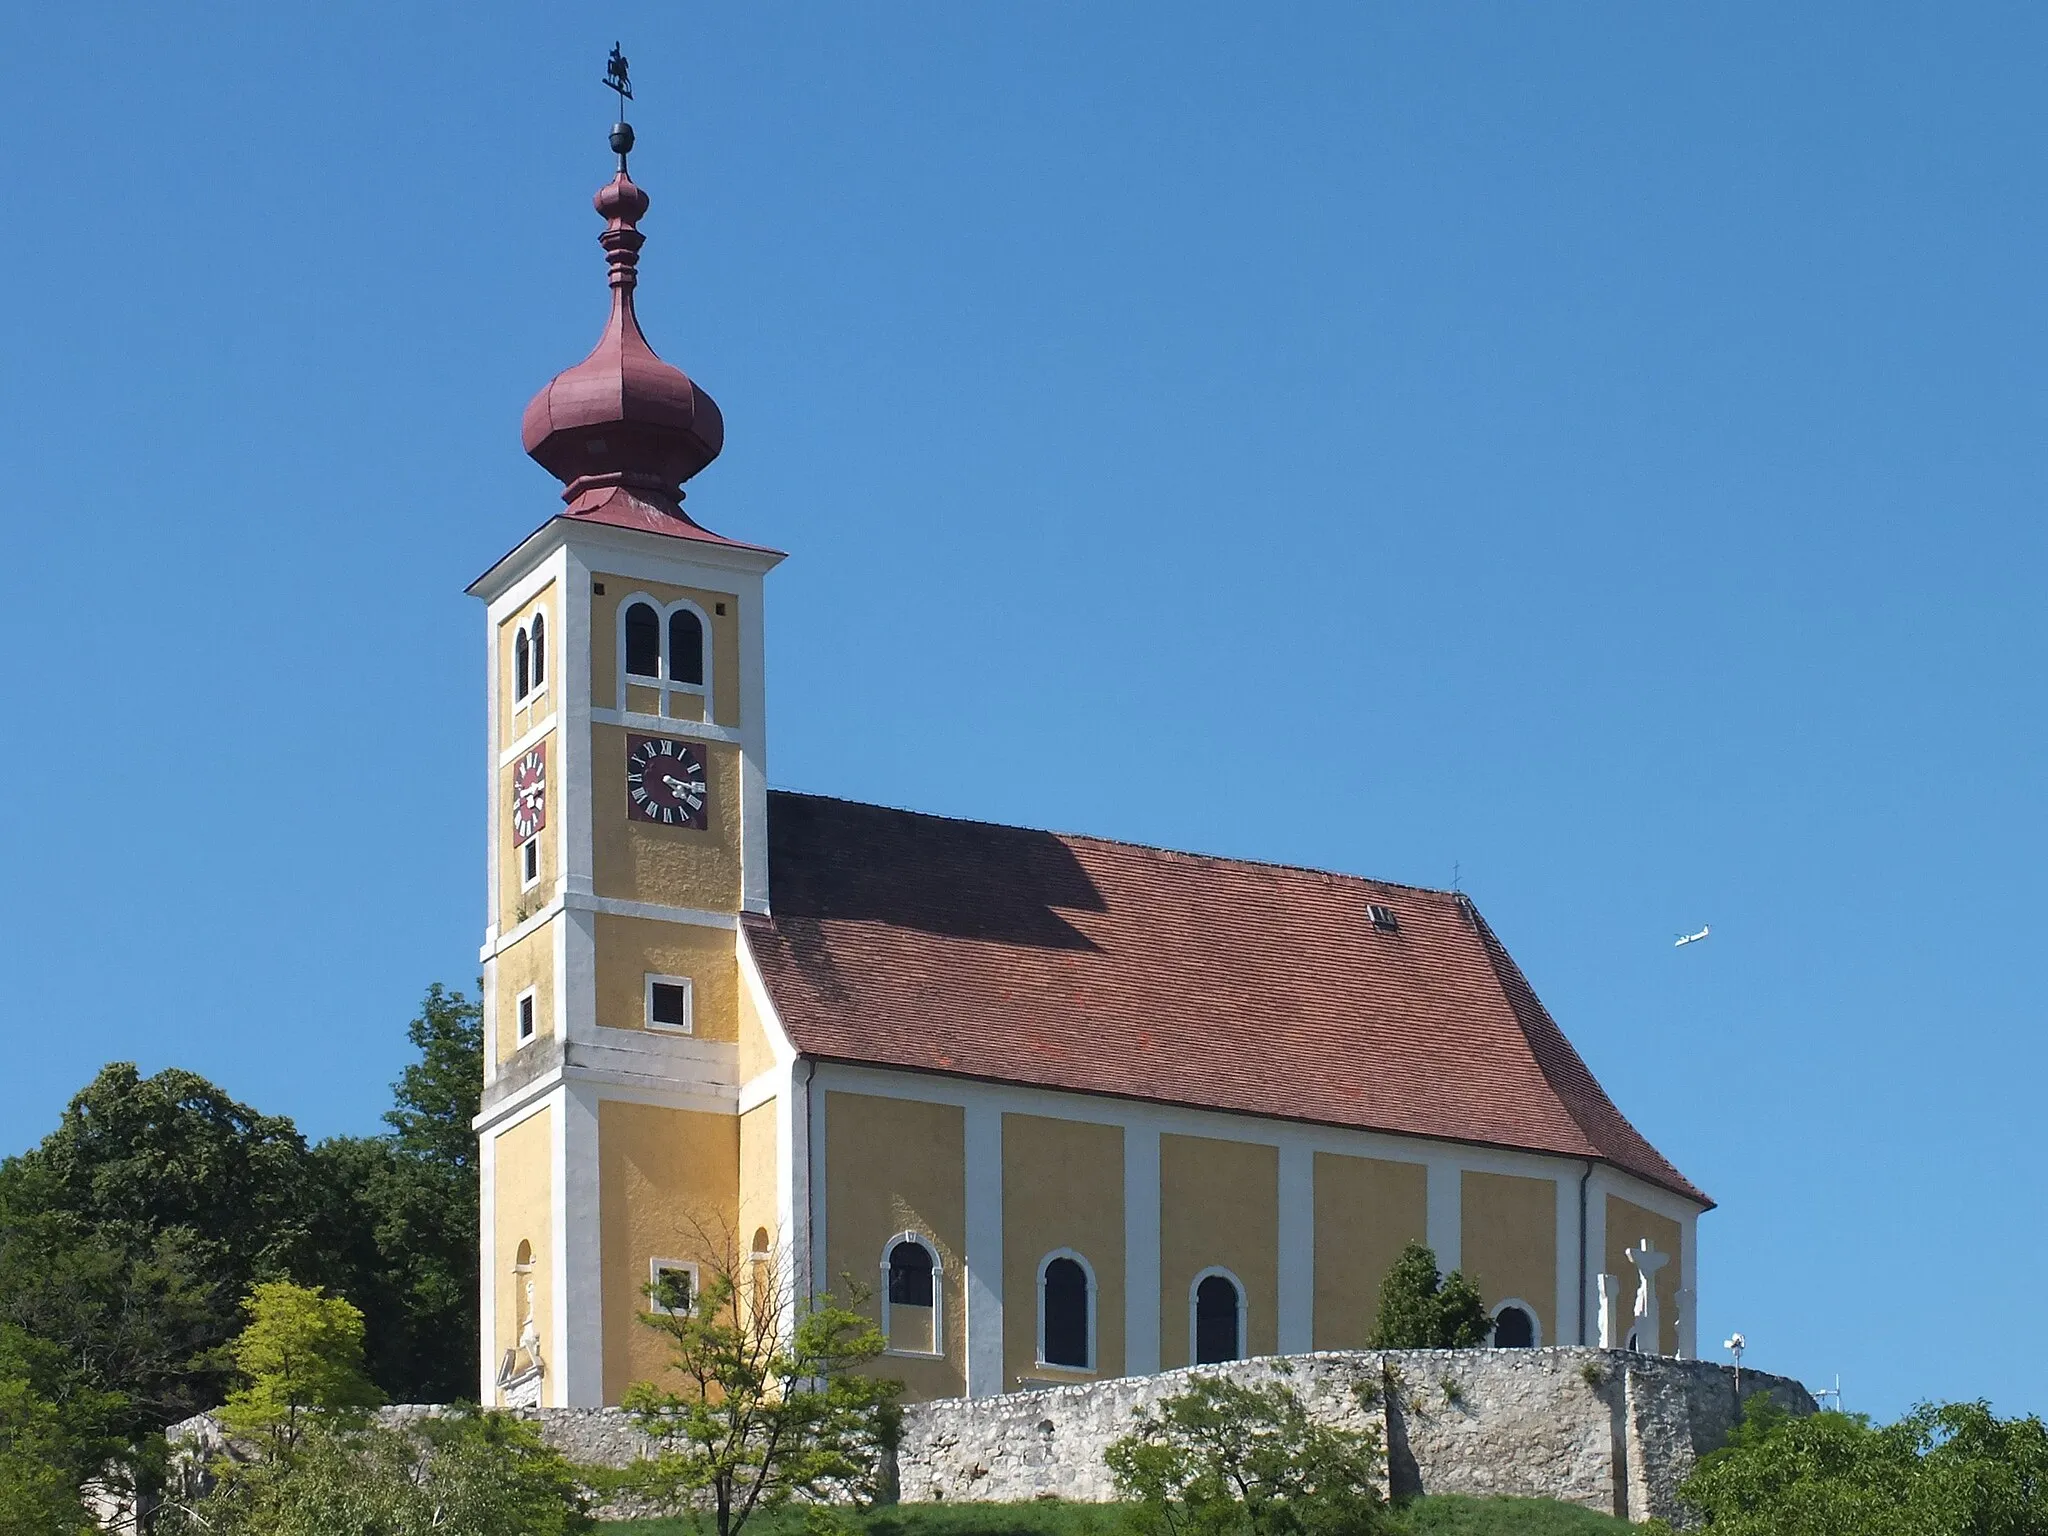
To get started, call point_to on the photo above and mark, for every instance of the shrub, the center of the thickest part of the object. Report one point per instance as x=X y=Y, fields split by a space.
x=1422 y=1309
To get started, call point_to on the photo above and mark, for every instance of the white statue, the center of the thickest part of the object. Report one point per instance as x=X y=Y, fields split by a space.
x=1684 y=1318
x=529 y=1332
x=1610 y=1312
x=1648 y=1261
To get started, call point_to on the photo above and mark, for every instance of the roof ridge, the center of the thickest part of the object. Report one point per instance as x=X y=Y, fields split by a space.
x=1459 y=897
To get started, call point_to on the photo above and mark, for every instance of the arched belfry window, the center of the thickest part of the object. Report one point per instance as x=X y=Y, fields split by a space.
x=666 y=649
x=522 y=675
x=530 y=656
x=912 y=1293
x=685 y=647
x=540 y=650
x=1515 y=1326
x=1216 y=1322
x=1066 y=1311
x=643 y=641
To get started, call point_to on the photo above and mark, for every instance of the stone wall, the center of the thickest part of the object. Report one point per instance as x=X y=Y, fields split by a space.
x=1606 y=1429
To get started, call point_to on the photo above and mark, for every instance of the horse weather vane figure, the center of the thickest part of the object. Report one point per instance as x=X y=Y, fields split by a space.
x=616 y=78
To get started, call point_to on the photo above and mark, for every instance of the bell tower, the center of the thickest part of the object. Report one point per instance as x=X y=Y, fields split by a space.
x=626 y=833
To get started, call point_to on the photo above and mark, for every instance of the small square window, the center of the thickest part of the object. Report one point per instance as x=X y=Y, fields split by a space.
x=668 y=1004
x=673 y=1283
x=529 y=862
x=525 y=1007
x=1383 y=918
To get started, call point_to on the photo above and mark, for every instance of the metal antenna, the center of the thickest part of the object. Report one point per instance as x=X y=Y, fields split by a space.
x=616 y=78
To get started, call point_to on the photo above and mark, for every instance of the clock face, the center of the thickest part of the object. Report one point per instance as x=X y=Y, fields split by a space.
x=666 y=782
x=530 y=793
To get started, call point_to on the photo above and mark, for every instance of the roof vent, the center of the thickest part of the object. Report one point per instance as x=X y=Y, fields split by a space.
x=1383 y=919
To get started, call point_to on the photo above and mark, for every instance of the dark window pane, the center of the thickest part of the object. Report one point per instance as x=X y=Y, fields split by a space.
x=519 y=675
x=540 y=650
x=670 y=1005
x=643 y=641
x=1066 y=1313
x=685 y=647
x=1215 y=1321
x=1514 y=1329
x=910 y=1275
x=672 y=1290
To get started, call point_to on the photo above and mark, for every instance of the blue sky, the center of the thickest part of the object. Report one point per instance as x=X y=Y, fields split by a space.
x=1597 y=449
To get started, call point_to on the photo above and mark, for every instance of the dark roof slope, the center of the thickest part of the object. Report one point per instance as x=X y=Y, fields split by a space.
x=1002 y=953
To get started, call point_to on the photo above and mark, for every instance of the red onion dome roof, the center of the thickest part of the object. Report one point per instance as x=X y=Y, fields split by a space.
x=622 y=417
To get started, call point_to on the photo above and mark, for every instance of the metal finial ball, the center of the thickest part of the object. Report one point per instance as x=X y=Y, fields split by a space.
x=622 y=138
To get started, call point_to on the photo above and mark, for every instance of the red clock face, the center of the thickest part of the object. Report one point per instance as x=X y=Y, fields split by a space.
x=530 y=793
x=666 y=782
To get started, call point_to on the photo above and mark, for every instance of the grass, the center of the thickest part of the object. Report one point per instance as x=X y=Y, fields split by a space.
x=1442 y=1515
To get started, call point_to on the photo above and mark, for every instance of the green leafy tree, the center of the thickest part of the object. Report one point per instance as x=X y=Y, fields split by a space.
x=460 y=1474
x=47 y=1447
x=1423 y=1309
x=766 y=1412
x=302 y=1352
x=1226 y=1459
x=398 y=1213
x=1948 y=1470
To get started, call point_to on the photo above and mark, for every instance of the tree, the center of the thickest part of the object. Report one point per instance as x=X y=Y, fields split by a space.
x=1422 y=1309
x=1948 y=1470
x=302 y=1351
x=398 y=1213
x=459 y=1474
x=1224 y=1458
x=773 y=1404
x=47 y=1448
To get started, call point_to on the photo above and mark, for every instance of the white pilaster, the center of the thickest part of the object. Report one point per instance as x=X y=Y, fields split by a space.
x=576 y=974
x=1446 y=1213
x=1596 y=1255
x=1141 y=1249
x=1297 y=1256
x=573 y=747
x=984 y=1179
x=1565 y=1327
x=487 y=1263
x=579 y=1284
x=1689 y=1279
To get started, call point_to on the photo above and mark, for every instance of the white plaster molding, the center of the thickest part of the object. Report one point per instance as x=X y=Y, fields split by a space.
x=580 y=1303
x=1535 y=1317
x=487 y=1266
x=762 y=1088
x=654 y=911
x=938 y=1307
x=1569 y=1322
x=1446 y=1212
x=983 y=1179
x=519 y=748
x=1141 y=1250
x=1297 y=1248
x=662 y=725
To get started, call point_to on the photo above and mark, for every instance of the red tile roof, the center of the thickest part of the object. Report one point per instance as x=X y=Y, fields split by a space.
x=1012 y=955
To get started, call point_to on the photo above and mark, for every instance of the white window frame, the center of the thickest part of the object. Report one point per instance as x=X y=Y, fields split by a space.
x=656 y=1268
x=664 y=683
x=938 y=1349
x=528 y=881
x=647 y=985
x=1244 y=1342
x=1535 y=1319
x=1039 y=1361
x=528 y=1030
x=525 y=632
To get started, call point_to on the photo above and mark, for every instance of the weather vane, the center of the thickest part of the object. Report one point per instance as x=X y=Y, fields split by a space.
x=617 y=79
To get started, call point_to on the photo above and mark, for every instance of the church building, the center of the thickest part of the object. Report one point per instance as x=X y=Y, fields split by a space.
x=1063 y=1107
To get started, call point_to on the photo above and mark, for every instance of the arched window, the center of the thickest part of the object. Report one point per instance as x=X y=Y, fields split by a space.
x=1218 y=1324
x=1066 y=1312
x=1514 y=1326
x=540 y=651
x=522 y=681
x=643 y=641
x=761 y=1274
x=911 y=1295
x=685 y=647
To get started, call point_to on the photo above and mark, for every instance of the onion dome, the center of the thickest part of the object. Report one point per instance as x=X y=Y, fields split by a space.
x=622 y=423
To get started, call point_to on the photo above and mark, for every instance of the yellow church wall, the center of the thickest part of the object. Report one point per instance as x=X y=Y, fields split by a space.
x=724 y=639
x=1063 y=1187
x=679 y=867
x=1626 y=1223
x=528 y=963
x=1366 y=1209
x=758 y=1193
x=516 y=900
x=667 y=1180
x=896 y=1165
x=629 y=949
x=522 y=1194
x=1219 y=1203
x=1508 y=1242
x=757 y=1053
x=518 y=716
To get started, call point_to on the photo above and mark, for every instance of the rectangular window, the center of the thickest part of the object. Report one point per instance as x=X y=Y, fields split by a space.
x=529 y=862
x=525 y=1007
x=668 y=1004
x=672 y=1286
